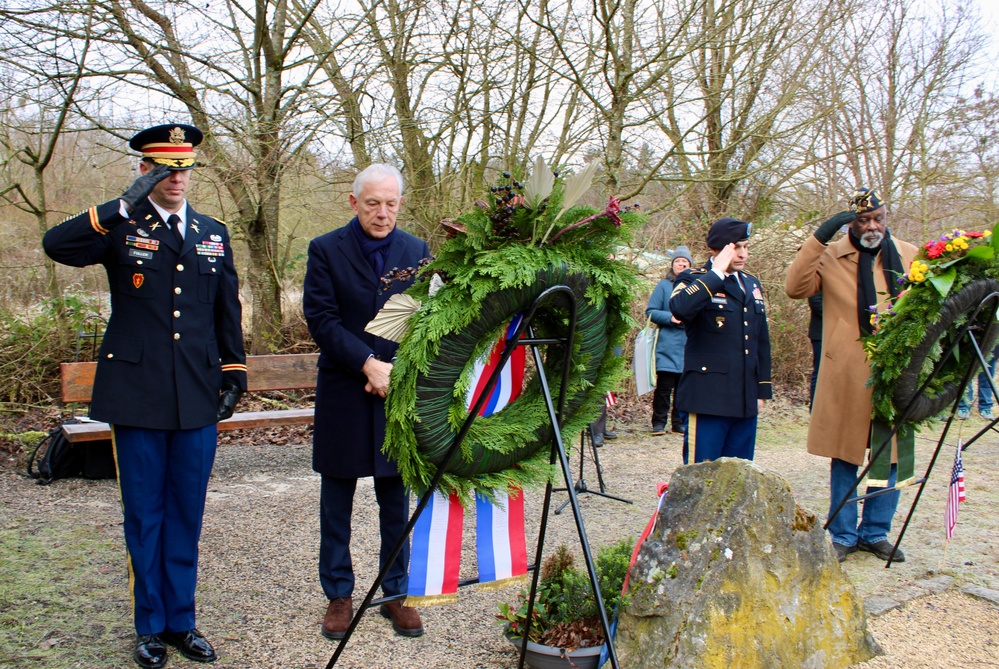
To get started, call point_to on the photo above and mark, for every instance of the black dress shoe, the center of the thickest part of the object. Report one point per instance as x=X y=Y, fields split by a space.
x=191 y=645
x=882 y=549
x=149 y=651
x=610 y=435
x=842 y=550
x=598 y=440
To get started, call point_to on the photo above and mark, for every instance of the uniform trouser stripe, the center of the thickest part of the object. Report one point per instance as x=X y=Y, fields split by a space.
x=712 y=437
x=162 y=479
x=128 y=557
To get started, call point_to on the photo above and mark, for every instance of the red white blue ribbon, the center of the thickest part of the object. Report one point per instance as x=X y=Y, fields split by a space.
x=435 y=559
x=649 y=527
x=500 y=541
x=511 y=378
x=436 y=553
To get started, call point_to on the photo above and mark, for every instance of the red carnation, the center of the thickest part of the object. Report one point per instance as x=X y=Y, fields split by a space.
x=936 y=250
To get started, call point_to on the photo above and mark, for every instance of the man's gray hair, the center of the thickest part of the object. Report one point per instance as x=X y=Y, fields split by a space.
x=376 y=173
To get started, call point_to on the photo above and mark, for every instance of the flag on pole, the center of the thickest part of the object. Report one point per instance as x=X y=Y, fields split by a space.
x=955 y=493
x=611 y=399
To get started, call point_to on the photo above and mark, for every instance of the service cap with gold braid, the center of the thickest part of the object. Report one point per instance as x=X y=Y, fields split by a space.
x=171 y=145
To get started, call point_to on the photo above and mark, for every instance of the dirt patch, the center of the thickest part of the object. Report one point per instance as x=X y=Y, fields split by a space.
x=63 y=584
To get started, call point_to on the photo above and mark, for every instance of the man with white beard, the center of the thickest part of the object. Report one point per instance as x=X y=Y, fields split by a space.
x=854 y=273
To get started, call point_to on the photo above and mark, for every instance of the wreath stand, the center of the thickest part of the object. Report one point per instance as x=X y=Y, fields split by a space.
x=557 y=451
x=969 y=330
x=586 y=437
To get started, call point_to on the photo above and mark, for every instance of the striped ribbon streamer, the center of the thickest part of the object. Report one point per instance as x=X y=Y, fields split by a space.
x=500 y=541
x=501 y=544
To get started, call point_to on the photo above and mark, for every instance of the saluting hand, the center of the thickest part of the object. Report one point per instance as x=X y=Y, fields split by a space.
x=143 y=186
x=724 y=259
x=378 y=376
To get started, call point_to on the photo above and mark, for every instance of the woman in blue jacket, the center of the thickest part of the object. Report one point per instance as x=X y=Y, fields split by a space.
x=669 y=347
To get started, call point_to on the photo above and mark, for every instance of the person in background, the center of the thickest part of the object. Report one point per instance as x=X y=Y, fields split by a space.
x=984 y=392
x=599 y=431
x=669 y=348
x=815 y=335
x=726 y=363
x=171 y=366
x=345 y=286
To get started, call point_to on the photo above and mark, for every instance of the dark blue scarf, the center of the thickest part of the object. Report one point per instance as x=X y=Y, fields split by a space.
x=375 y=250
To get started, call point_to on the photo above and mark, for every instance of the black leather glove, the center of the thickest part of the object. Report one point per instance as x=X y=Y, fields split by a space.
x=828 y=229
x=227 y=401
x=143 y=186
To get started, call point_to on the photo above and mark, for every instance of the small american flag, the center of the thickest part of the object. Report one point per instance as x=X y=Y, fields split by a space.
x=611 y=399
x=955 y=494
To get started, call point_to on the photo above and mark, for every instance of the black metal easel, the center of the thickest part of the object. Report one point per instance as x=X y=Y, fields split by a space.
x=587 y=436
x=557 y=451
x=967 y=330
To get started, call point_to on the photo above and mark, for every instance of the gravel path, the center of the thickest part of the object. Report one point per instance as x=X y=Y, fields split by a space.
x=260 y=602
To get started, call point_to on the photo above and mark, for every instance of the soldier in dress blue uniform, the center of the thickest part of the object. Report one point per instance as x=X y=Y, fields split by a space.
x=726 y=370
x=171 y=365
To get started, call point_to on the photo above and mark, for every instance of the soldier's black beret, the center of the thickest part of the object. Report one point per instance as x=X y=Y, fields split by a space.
x=727 y=231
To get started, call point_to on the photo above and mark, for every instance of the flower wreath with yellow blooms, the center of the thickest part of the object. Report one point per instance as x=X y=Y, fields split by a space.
x=942 y=288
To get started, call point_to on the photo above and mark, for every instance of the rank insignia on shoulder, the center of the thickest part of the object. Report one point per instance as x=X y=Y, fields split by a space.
x=148 y=216
x=677 y=288
x=138 y=280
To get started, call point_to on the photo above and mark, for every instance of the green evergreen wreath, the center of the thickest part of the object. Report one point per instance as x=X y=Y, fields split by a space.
x=943 y=286
x=503 y=257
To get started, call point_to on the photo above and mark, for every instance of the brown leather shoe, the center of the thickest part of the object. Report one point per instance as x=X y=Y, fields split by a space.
x=405 y=619
x=337 y=619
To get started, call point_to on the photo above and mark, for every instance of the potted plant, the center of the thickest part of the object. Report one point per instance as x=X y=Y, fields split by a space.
x=565 y=629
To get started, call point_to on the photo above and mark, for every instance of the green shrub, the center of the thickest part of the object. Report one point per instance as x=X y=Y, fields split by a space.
x=32 y=346
x=565 y=611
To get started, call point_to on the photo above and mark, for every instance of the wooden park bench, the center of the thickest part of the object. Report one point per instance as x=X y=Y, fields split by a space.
x=263 y=372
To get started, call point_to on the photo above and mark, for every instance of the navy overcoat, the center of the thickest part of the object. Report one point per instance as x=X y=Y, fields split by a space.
x=341 y=296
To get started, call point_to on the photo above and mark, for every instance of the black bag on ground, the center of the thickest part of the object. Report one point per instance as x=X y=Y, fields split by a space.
x=63 y=459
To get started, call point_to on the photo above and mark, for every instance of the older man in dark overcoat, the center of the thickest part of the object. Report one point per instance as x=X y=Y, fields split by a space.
x=347 y=281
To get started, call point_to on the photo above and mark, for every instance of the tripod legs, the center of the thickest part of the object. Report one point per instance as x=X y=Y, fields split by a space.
x=586 y=436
